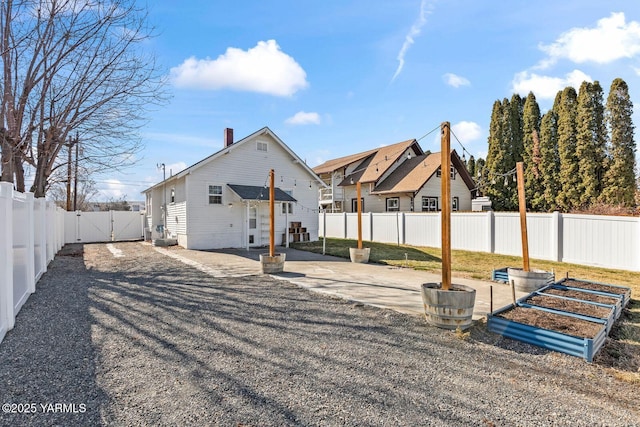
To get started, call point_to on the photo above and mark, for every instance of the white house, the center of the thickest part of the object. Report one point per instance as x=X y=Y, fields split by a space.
x=223 y=200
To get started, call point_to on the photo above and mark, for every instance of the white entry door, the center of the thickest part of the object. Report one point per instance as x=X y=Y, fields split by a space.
x=254 y=230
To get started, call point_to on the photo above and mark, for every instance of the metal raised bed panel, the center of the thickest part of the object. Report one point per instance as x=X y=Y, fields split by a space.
x=626 y=295
x=546 y=338
x=608 y=320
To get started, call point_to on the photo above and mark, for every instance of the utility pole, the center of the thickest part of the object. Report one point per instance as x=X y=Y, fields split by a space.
x=75 y=180
x=69 y=145
x=164 y=198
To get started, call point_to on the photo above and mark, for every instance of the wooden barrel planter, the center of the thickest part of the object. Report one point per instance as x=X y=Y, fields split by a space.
x=272 y=264
x=448 y=309
x=529 y=281
x=359 y=255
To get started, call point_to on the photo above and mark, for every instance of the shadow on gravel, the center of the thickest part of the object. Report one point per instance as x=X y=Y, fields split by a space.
x=180 y=347
x=47 y=362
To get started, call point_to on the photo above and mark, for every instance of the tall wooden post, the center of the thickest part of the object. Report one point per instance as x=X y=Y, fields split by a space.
x=69 y=145
x=445 y=190
x=272 y=217
x=359 y=203
x=522 y=201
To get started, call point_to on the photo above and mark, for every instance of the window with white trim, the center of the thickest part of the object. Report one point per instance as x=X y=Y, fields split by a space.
x=455 y=203
x=215 y=194
x=262 y=146
x=173 y=196
x=429 y=204
x=452 y=174
x=287 y=207
x=393 y=204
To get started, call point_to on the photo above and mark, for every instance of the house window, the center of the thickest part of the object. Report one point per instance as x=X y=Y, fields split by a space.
x=429 y=204
x=393 y=204
x=261 y=146
x=455 y=203
x=354 y=204
x=215 y=194
x=173 y=196
x=287 y=207
x=452 y=174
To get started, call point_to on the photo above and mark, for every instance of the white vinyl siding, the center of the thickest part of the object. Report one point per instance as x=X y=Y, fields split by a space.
x=215 y=226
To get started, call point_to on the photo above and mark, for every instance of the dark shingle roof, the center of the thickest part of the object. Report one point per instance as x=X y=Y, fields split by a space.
x=254 y=192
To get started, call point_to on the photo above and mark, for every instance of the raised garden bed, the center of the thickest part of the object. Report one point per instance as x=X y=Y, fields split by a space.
x=502 y=275
x=581 y=309
x=555 y=331
x=598 y=288
x=580 y=294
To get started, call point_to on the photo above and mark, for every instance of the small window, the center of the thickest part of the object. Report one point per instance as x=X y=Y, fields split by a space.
x=215 y=194
x=452 y=174
x=354 y=204
x=429 y=204
x=393 y=204
x=287 y=207
x=261 y=146
x=173 y=195
x=455 y=203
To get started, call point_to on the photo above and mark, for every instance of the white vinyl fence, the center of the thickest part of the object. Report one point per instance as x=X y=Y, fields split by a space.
x=33 y=230
x=595 y=240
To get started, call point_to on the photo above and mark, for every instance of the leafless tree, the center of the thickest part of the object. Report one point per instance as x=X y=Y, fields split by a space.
x=73 y=67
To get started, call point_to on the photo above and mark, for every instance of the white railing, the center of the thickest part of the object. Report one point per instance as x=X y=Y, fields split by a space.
x=31 y=232
x=595 y=240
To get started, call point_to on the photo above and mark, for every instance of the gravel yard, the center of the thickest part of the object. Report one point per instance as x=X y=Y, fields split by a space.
x=141 y=339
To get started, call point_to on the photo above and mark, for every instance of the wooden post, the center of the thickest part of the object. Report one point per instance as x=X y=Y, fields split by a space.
x=523 y=216
x=445 y=190
x=359 y=203
x=272 y=217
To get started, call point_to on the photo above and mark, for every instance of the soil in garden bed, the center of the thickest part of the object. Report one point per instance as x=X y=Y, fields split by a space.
x=555 y=322
x=571 y=306
x=593 y=286
x=570 y=293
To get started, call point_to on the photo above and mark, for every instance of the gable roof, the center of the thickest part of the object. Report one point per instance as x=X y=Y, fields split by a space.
x=225 y=150
x=374 y=163
x=411 y=175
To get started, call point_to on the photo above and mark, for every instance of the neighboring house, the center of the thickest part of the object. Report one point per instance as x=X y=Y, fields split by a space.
x=223 y=200
x=398 y=177
x=368 y=167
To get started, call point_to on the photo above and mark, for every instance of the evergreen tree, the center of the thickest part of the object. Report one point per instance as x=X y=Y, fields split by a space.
x=531 y=149
x=619 y=180
x=497 y=156
x=549 y=160
x=471 y=167
x=590 y=142
x=569 y=195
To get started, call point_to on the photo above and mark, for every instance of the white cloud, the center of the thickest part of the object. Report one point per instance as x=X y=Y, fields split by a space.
x=114 y=189
x=455 y=80
x=467 y=131
x=610 y=40
x=174 y=168
x=546 y=87
x=415 y=30
x=302 y=118
x=263 y=68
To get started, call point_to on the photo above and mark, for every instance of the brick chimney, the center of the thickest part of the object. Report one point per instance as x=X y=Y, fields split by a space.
x=228 y=137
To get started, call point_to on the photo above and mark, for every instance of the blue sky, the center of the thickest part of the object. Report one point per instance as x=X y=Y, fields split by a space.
x=337 y=77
